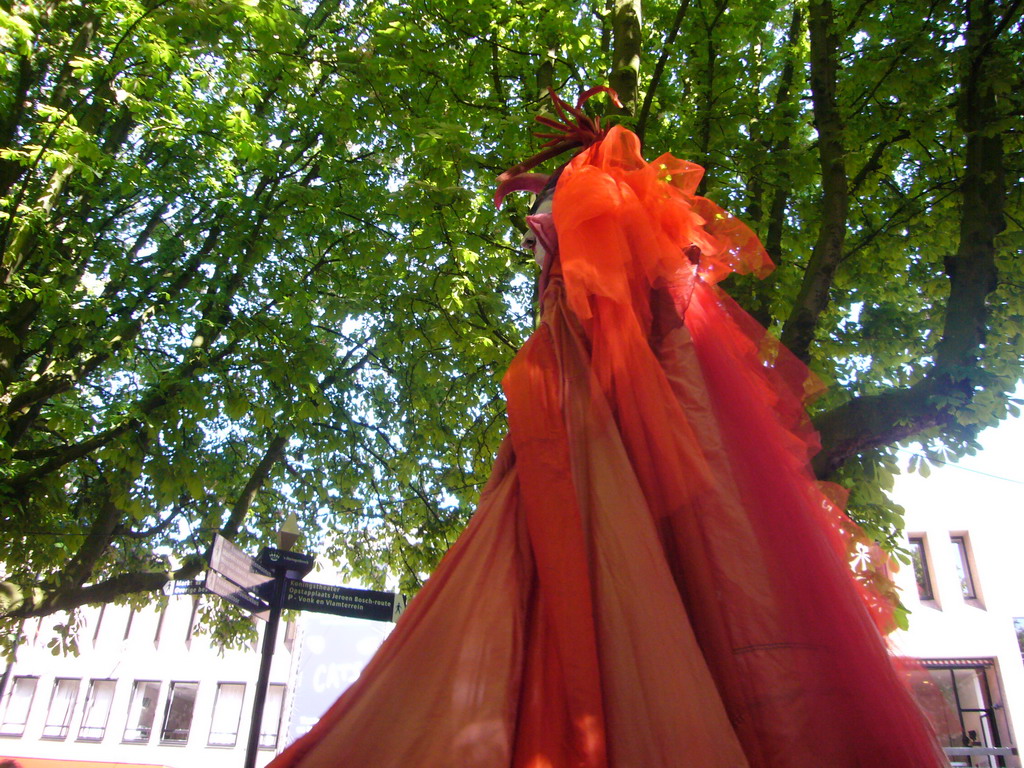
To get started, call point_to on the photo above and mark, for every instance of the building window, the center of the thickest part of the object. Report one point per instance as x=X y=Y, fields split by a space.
x=922 y=573
x=97 y=710
x=181 y=700
x=227 y=714
x=19 y=702
x=956 y=694
x=62 y=706
x=272 y=710
x=961 y=556
x=142 y=711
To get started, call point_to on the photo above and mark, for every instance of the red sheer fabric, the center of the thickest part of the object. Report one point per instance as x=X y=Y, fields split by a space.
x=652 y=578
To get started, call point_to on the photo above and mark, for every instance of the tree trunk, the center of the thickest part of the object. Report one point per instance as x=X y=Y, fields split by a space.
x=868 y=422
x=813 y=297
x=626 y=47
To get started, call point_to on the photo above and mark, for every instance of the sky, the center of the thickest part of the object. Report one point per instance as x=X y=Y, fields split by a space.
x=996 y=473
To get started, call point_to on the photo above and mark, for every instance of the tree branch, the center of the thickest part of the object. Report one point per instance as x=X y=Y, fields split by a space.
x=659 y=68
x=706 y=108
x=156 y=397
x=10 y=169
x=51 y=384
x=18 y=602
x=758 y=303
x=59 y=456
x=872 y=164
x=274 y=454
x=80 y=569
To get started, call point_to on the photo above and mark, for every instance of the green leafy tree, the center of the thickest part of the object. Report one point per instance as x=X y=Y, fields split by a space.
x=250 y=267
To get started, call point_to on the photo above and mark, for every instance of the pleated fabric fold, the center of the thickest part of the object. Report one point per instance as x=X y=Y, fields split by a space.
x=653 y=578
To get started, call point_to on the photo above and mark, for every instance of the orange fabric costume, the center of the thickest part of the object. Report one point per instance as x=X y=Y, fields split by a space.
x=653 y=579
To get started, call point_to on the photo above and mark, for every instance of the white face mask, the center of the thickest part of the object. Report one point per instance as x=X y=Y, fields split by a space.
x=530 y=241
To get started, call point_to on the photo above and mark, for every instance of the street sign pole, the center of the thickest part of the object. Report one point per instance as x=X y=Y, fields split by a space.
x=284 y=565
x=269 y=640
x=246 y=582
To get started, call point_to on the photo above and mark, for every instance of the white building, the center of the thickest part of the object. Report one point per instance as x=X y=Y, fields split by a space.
x=965 y=527
x=145 y=689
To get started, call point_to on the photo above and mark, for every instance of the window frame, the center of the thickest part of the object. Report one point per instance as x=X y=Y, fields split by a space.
x=268 y=739
x=169 y=700
x=918 y=545
x=90 y=698
x=965 y=570
x=63 y=728
x=128 y=727
x=217 y=704
x=9 y=697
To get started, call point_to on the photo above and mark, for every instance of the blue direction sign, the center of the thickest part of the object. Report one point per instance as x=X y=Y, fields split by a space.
x=232 y=563
x=180 y=587
x=235 y=595
x=342 y=601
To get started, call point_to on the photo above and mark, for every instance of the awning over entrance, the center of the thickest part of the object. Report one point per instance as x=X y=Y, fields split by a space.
x=956 y=663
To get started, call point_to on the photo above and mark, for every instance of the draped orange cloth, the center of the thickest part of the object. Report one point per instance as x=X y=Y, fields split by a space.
x=653 y=578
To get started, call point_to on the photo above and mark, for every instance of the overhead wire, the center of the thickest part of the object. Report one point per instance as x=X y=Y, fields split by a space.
x=935 y=460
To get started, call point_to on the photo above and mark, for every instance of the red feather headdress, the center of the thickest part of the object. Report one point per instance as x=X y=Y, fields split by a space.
x=575 y=129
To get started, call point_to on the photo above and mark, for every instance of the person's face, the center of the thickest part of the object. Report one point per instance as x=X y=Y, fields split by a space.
x=530 y=241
